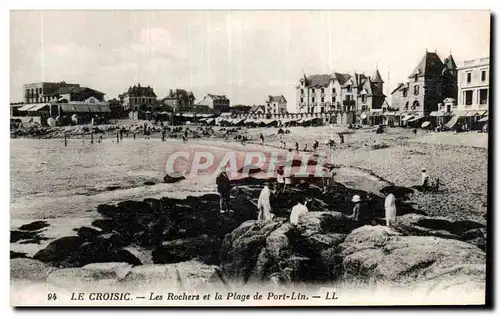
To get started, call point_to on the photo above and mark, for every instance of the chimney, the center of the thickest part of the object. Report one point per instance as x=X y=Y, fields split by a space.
x=170 y=92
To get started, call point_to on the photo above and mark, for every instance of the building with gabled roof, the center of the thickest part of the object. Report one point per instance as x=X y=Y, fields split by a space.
x=356 y=92
x=218 y=103
x=276 y=105
x=138 y=97
x=430 y=82
x=180 y=100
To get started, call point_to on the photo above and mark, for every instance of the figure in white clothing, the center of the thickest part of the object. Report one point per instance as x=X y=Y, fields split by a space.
x=299 y=209
x=390 y=209
x=264 y=203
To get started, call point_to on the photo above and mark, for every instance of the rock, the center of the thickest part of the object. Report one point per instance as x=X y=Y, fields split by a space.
x=59 y=250
x=107 y=210
x=241 y=248
x=34 y=226
x=88 y=233
x=81 y=279
x=100 y=251
x=461 y=282
x=16 y=235
x=106 y=225
x=203 y=247
x=120 y=269
x=15 y=254
x=323 y=222
x=420 y=225
x=29 y=269
x=183 y=275
x=379 y=253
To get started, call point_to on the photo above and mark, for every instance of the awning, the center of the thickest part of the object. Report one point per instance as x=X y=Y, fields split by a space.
x=416 y=118
x=471 y=113
x=210 y=120
x=459 y=113
x=38 y=107
x=407 y=117
x=84 y=108
x=375 y=114
x=482 y=113
x=96 y=108
x=26 y=107
x=452 y=122
x=484 y=119
x=436 y=113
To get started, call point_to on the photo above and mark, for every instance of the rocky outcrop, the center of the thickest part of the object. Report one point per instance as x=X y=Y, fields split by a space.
x=327 y=246
x=261 y=251
x=420 y=225
x=379 y=254
x=29 y=269
x=204 y=248
x=37 y=225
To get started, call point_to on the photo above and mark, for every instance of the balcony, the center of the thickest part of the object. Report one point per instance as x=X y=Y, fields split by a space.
x=349 y=102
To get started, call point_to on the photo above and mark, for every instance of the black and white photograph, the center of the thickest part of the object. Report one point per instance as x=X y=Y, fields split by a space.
x=249 y=158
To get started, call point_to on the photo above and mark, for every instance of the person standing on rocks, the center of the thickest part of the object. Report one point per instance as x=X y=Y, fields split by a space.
x=425 y=180
x=328 y=180
x=224 y=188
x=264 y=203
x=280 y=178
x=261 y=139
x=296 y=146
x=356 y=211
x=299 y=209
x=390 y=209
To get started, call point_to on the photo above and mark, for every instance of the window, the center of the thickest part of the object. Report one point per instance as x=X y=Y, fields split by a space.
x=483 y=96
x=322 y=99
x=469 y=75
x=314 y=90
x=415 y=89
x=313 y=99
x=301 y=100
x=334 y=99
x=363 y=98
x=483 y=75
x=301 y=91
x=322 y=90
x=348 y=98
x=416 y=78
x=405 y=92
x=468 y=97
x=333 y=90
x=348 y=88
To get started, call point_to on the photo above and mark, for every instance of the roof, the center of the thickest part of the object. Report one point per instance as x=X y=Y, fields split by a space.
x=429 y=64
x=72 y=89
x=32 y=107
x=254 y=108
x=377 y=77
x=323 y=80
x=84 y=108
x=138 y=91
x=279 y=99
x=179 y=94
x=217 y=97
x=449 y=63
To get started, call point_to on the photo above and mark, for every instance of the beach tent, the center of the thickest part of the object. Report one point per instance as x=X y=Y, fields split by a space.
x=425 y=124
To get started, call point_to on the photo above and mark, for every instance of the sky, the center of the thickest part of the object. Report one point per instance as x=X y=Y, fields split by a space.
x=246 y=55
